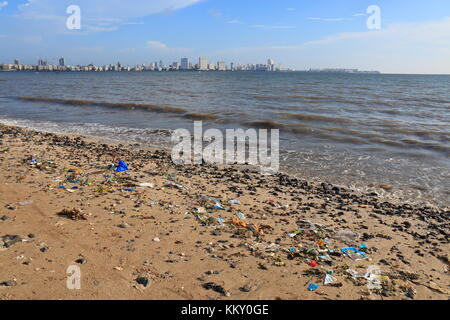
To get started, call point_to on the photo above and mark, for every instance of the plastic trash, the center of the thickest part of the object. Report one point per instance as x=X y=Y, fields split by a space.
x=122 y=166
x=355 y=274
x=305 y=225
x=325 y=257
x=175 y=185
x=329 y=279
x=201 y=210
x=346 y=235
x=241 y=216
x=312 y=287
x=25 y=203
x=313 y=263
x=354 y=254
x=146 y=184
x=234 y=201
x=219 y=206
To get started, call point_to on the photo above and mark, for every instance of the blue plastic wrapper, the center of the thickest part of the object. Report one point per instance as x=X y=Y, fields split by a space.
x=312 y=287
x=122 y=166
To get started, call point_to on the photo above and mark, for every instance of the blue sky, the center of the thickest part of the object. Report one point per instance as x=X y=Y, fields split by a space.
x=414 y=35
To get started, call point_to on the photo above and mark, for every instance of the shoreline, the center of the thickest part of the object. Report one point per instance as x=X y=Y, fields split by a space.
x=385 y=191
x=171 y=236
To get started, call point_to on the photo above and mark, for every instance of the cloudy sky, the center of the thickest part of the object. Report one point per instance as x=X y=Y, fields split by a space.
x=301 y=34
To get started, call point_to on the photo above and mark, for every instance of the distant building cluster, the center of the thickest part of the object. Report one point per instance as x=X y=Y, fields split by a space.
x=184 y=65
x=342 y=71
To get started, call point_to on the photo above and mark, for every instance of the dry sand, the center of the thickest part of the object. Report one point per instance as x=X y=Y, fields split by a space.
x=194 y=255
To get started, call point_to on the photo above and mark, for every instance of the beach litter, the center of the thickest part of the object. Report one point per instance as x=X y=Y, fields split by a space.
x=313 y=287
x=121 y=167
x=329 y=279
x=217 y=288
x=146 y=185
x=346 y=235
x=304 y=225
x=74 y=214
x=172 y=184
x=25 y=203
x=8 y=241
x=354 y=254
x=241 y=216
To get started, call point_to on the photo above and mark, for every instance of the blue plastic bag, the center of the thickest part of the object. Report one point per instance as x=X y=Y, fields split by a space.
x=122 y=166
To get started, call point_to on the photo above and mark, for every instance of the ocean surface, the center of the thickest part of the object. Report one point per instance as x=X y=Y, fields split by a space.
x=366 y=132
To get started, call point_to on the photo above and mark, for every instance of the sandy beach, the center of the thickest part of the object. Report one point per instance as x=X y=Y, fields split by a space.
x=160 y=231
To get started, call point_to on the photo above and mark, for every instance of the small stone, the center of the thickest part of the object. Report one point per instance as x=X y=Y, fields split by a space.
x=246 y=289
x=156 y=239
x=44 y=249
x=31 y=236
x=9 y=283
x=4 y=218
x=143 y=281
x=124 y=225
x=81 y=261
x=263 y=267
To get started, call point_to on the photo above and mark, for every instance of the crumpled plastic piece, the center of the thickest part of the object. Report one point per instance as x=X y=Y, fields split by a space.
x=329 y=279
x=121 y=167
x=346 y=235
x=354 y=254
x=312 y=287
x=305 y=225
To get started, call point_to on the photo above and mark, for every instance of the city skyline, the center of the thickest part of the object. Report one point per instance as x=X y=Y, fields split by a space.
x=413 y=37
x=184 y=64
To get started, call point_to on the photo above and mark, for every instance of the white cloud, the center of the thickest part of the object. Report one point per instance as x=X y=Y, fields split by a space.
x=235 y=22
x=425 y=32
x=215 y=13
x=329 y=19
x=157 y=45
x=100 y=15
x=3 y=4
x=290 y=9
x=261 y=26
x=33 y=40
x=422 y=47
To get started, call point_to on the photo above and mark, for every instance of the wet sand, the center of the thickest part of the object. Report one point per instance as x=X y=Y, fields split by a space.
x=151 y=233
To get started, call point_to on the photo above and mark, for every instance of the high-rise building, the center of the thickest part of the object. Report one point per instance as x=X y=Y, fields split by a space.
x=62 y=62
x=203 y=63
x=270 y=65
x=16 y=62
x=184 y=63
x=221 y=66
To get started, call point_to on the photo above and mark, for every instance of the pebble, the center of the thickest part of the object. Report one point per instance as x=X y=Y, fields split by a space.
x=143 y=281
x=156 y=239
x=81 y=261
x=9 y=283
x=246 y=289
x=124 y=225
